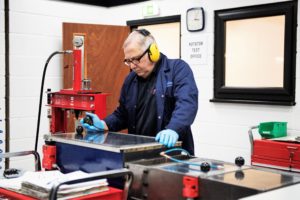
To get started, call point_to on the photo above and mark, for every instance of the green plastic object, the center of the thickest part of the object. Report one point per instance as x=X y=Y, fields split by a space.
x=272 y=129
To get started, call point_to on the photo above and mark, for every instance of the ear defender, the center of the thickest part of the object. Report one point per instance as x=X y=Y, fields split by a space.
x=153 y=52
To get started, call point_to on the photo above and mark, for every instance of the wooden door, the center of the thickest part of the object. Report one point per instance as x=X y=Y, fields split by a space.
x=103 y=58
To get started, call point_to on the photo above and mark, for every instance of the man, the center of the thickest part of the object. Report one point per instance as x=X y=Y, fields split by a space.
x=159 y=97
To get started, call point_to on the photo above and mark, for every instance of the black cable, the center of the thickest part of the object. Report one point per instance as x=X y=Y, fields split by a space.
x=7 y=81
x=41 y=94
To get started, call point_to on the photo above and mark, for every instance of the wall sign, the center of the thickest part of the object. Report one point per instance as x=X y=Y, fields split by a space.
x=195 y=49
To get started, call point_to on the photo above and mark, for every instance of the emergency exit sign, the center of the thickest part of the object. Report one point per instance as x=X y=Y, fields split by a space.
x=150 y=9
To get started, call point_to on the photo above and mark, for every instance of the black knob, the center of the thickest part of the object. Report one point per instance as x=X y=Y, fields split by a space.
x=88 y=120
x=79 y=136
x=79 y=129
x=239 y=161
x=239 y=175
x=205 y=166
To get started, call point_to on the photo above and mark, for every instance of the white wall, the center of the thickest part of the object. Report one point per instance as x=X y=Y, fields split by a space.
x=2 y=83
x=220 y=130
x=36 y=32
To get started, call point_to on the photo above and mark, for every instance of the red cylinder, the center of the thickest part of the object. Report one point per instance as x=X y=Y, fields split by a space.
x=77 y=70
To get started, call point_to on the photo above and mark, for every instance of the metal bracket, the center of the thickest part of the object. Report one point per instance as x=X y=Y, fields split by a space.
x=25 y=153
x=251 y=137
x=95 y=176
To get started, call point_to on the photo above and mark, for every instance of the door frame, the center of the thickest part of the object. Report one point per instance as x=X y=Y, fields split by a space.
x=133 y=24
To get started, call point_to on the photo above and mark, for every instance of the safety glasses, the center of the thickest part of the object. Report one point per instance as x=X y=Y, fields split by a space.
x=134 y=60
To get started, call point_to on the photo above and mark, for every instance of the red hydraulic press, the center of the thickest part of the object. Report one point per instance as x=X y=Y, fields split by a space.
x=77 y=99
x=72 y=102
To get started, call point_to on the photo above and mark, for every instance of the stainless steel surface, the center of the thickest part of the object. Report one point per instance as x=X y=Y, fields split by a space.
x=217 y=167
x=288 y=169
x=190 y=170
x=258 y=179
x=111 y=141
x=226 y=181
x=290 y=193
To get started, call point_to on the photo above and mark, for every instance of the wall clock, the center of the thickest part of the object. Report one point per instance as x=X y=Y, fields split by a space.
x=195 y=19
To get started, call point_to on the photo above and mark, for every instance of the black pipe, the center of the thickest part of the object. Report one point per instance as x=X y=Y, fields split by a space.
x=7 y=85
x=41 y=94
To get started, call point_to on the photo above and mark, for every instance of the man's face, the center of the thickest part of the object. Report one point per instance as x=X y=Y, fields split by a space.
x=138 y=60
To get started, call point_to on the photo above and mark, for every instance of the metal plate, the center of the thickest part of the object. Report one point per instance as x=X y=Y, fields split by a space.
x=260 y=180
x=227 y=181
x=110 y=141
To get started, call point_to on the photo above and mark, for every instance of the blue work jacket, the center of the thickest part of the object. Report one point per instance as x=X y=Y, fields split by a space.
x=176 y=98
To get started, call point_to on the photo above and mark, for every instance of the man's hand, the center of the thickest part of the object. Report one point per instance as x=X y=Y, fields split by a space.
x=167 y=137
x=97 y=125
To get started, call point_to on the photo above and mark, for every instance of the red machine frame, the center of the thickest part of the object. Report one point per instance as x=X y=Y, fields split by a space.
x=63 y=101
x=77 y=99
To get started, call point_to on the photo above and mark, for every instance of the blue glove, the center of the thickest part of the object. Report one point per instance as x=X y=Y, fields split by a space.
x=95 y=137
x=98 y=125
x=167 y=137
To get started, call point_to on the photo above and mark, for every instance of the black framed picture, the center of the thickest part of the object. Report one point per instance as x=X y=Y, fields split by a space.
x=255 y=54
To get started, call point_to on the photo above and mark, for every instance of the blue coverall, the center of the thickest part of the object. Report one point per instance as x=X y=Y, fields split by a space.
x=176 y=99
